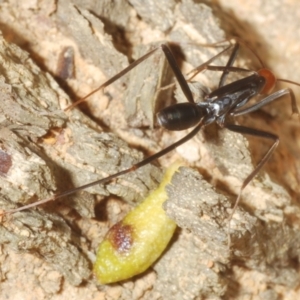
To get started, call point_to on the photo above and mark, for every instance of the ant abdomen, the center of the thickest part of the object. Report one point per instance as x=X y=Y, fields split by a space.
x=180 y=116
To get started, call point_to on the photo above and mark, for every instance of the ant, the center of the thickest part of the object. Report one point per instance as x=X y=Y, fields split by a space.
x=219 y=106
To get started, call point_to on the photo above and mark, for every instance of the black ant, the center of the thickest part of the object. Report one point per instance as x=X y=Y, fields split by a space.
x=227 y=101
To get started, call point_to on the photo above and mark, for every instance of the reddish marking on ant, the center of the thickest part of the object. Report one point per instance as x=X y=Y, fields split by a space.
x=270 y=80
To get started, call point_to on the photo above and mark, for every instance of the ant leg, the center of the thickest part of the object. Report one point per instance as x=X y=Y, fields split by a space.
x=229 y=64
x=239 y=41
x=266 y=157
x=172 y=62
x=226 y=69
x=109 y=178
x=205 y=65
x=268 y=100
x=178 y=74
x=113 y=79
x=217 y=68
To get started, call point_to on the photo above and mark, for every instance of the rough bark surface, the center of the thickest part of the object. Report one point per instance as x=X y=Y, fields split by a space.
x=47 y=253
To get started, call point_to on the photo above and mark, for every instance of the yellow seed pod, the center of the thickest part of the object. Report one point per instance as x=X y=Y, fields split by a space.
x=132 y=245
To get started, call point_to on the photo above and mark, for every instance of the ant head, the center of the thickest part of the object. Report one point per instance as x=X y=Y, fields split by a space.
x=270 y=80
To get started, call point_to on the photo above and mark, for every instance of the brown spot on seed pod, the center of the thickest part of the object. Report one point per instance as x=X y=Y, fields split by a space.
x=121 y=237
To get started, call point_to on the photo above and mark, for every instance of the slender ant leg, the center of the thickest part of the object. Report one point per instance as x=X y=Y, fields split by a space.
x=229 y=64
x=256 y=133
x=268 y=100
x=113 y=79
x=178 y=74
x=263 y=161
